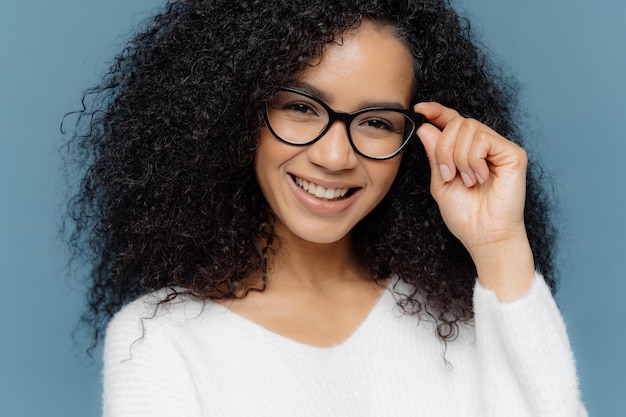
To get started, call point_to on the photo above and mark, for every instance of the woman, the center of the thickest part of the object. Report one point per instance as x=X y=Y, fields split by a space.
x=288 y=204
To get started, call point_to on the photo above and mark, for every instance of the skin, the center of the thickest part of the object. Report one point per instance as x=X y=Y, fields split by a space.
x=318 y=293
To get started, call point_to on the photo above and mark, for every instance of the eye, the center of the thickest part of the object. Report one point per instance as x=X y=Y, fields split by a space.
x=295 y=106
x=376 y=123
x=382 y=122
x=298 y=108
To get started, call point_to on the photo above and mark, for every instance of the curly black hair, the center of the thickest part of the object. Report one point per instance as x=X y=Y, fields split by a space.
x=165 y=144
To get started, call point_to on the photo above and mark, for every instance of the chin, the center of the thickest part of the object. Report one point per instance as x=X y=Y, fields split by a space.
x=317 y=235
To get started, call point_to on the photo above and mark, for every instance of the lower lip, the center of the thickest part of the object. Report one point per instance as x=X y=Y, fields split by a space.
x=321 y=206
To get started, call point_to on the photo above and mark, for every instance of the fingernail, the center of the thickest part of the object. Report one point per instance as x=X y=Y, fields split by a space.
x=466 y=179
x=446 y=175
x=479 y=178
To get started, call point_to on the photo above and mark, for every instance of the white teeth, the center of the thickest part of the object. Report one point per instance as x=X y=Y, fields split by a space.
x=319 y=191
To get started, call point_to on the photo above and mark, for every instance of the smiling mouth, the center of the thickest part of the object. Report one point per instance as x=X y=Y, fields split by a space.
x=322 y=192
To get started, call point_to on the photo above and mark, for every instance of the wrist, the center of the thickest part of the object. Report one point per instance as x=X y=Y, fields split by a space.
x=505 y=267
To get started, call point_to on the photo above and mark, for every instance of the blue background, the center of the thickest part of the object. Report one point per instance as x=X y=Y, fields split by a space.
x=569 y=55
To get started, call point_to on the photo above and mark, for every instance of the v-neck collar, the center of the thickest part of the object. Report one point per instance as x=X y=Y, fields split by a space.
x=384 y=302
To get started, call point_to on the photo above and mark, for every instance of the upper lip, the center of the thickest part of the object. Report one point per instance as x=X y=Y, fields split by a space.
x=326 y=184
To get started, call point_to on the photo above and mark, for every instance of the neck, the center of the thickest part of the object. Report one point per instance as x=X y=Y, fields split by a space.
x=297 y=262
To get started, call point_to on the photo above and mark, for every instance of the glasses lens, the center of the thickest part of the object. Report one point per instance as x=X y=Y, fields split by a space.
x=295 y=118
x=381 y=133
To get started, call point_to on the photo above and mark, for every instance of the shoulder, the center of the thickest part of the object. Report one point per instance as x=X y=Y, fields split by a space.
x=163 y=306
x=160 y=315
x=145 y=366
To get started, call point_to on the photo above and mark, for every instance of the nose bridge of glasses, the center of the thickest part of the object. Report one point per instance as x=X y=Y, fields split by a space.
x=338 y=116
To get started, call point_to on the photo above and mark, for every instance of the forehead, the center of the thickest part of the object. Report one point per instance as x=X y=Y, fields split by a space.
x=370 y=62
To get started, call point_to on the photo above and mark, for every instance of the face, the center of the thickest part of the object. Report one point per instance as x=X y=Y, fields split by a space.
x=319 y=192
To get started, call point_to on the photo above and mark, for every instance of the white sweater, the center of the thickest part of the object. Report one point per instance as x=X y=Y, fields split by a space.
x=199 y=359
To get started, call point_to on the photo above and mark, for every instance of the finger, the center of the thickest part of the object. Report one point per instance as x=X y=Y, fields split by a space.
x=472 y=148
x=449 y=150
x=478 y=154
x=437 y=113
x=489 y=153
x=464 y=140
x=429 y=136
x=501 y=153
x=474 y=145
x=442 y=147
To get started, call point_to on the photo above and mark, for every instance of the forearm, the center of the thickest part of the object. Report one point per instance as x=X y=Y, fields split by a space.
x=527 y=366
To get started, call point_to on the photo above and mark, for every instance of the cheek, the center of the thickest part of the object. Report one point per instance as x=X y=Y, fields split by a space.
x=386 y=174
x=381 y=177
x=270 y=155
x=267 y=152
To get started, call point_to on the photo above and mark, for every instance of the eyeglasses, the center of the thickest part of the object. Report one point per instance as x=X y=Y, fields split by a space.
x=300 y=119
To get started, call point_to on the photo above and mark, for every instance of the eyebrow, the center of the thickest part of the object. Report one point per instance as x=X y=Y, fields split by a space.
x=327 y=97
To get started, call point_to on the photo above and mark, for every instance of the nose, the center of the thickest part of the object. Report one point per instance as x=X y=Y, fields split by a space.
x=333 y=150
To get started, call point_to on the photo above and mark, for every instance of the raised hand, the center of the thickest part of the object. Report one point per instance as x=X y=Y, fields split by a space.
x=479 y=183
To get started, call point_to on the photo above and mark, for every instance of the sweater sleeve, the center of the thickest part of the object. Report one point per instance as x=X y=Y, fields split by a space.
x=526 y=363
x=144 y=373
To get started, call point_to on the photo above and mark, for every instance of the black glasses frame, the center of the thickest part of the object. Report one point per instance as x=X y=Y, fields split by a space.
x=347 y=118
